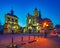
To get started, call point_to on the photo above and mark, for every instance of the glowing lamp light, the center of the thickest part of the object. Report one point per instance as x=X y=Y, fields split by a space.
x=45 y=24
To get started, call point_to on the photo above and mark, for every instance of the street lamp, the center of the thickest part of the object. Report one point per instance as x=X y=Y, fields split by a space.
x=30 y=28
x=45 y=24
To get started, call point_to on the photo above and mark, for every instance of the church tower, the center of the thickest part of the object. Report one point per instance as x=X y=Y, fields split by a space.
x=36 y=13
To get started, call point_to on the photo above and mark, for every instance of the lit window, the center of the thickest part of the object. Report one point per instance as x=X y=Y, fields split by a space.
x=30 y=27
x=37 y=27
x=29 y=20
x=15 y=27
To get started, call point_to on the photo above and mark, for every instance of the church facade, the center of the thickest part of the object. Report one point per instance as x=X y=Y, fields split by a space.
x=32 y=21
x=36 y=24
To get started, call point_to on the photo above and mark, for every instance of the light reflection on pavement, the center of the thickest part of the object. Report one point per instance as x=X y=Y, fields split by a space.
x=41 y=42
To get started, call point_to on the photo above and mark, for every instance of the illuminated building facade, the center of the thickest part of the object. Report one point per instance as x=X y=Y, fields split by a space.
x=33 y=21
x=11 y=23
x=35 y=24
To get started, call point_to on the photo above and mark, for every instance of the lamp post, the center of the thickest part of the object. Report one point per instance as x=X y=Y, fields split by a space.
x=12 y=42
x=45 y=26
x=34 y=37
x=29 y=35
x=13 y=45
x=21 y=38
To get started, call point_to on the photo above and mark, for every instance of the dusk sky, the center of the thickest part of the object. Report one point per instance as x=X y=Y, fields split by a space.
x=49 y=9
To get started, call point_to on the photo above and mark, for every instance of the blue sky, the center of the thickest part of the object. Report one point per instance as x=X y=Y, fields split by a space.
x=48 y=8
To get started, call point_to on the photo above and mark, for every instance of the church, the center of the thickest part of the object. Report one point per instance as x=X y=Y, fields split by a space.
x=36 y=24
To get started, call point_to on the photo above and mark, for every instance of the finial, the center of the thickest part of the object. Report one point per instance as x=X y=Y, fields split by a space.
x=28 y=14
x=12 y=12
x=35 y=8
x=39 y=13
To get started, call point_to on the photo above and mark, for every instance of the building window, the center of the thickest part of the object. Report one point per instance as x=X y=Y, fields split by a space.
x=8 y=19
x=12 y=20
x=16 y=21
x=29 y=21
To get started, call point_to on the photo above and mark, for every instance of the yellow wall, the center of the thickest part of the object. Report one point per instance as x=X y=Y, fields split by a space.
x=36 y=13
x=11 y=17
x=8 y=24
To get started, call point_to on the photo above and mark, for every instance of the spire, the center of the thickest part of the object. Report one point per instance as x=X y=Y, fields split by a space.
x=36 y=13
x=12 y=12
x=35 y=8
x=28 y=14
